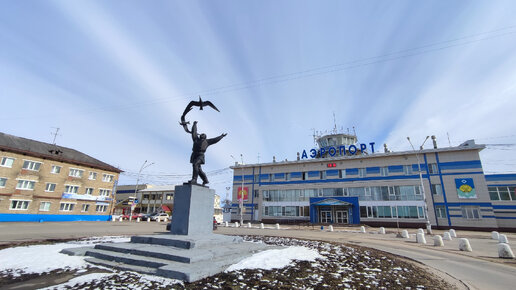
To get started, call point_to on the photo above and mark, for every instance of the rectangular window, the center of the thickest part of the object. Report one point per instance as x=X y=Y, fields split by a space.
x=432 y=168
x=92 y=176
x=3 y=181
x=19 y=204
x=108 y=177
x=440 y=211
x=304 y=175
x=362 y=172
x=31 y=165
x=384 y=171
x=71 y=188
x=288 y=176
x=7 y=162
x=101 y=208
x=421 y=212
x=470 y=212
x=256 y=193
x=55 y=169
x=89 y=191
x=363 y=211
x=437 y=189
x=342 y=173
x=50 y=187
x=256 y=178
x=407 y=169
x=85 y=207
x=65 y=206
x=323 y=174
x=75 y=172
x=104 y=192
x=25 y=184
x=169 y=196
x=44 y=206
x=493 y=193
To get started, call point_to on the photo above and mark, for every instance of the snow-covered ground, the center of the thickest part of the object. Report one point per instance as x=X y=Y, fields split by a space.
x=301 y=264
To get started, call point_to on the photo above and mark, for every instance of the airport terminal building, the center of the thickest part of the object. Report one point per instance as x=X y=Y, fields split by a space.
x=344 y=182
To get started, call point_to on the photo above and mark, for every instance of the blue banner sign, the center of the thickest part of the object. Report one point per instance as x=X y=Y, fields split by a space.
x=332 y=151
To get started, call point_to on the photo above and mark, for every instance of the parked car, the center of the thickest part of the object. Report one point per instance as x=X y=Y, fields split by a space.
x=160 y=216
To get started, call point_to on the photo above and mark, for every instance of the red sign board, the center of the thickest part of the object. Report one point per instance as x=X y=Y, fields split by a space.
x=330 y=165
x=243 y=194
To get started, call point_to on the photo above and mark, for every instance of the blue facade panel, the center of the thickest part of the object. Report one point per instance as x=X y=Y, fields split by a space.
x=373 y=170
x=332 y=172
x=12 y=217
x=352 y=171
x=395 y=168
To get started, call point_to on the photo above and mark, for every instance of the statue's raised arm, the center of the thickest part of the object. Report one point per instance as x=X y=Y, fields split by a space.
x=200 y=142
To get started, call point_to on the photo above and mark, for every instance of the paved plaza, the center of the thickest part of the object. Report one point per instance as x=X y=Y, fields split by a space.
x=479 y=269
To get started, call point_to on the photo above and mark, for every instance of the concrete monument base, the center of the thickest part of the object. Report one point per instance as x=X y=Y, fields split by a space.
x=190 y=252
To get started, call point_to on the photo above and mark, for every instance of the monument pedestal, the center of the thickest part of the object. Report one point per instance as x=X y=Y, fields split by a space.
x=193 y=210
x=189 y=252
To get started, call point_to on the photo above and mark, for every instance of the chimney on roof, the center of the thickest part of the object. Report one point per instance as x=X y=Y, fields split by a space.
x=434 y=141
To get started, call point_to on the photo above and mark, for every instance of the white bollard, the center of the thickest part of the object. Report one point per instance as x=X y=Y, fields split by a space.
x=438 y=241
x=504 y=251
x=362 y=229
x=249 y=225
x=404 y=234
x=420 y=238
x=226 y=224
x=148 y=219
x=138 y=219
x=420 y=231
x=382 y=231
x=503 y=239
x=236 y=225
x=158 y=220
x=113 y=218
x=120 y=219
x=453 y=234
x=447 y=236
x=277 y=226
x=331 y=228
x=464 y=245
x=429 y=229
x=261 y=226
x=495 y=235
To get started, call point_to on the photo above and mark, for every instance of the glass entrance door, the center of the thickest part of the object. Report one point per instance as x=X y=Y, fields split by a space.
x=325 y=216
x=341 y=217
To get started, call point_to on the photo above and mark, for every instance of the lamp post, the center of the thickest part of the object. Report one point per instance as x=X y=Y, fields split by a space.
x=241 y=200
x=144 y=165
x=428 y=225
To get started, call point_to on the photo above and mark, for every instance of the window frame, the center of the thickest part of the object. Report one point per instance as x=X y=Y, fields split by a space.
x=85 y=207
x=68 y=186
x=33 y=163
x=104 y=192
x=432 y=168
x=4 y=158
x=25 y=181
x=362 y=173
x=94 y=174
x=384 y=171
x=53 y=169
x=80 y=171
x=69 y=206
x=4 y=179
x=408 y=169
x=46 y=208
x=21 y=201
x=49 y=184
x=108 y=177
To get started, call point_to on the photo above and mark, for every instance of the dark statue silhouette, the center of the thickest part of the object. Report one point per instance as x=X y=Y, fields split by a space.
x=200 y=142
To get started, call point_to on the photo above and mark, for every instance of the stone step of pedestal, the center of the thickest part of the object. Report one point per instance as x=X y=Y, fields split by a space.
x=173 y=269
x=186 y=242
x=122 y=266
x=126 y=258
x=173 y=253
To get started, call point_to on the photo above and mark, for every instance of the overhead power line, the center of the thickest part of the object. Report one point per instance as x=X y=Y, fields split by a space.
x=392 y=56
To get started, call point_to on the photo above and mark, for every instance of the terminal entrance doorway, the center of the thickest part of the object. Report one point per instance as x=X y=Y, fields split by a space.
x=325 y=217
x=341 y=217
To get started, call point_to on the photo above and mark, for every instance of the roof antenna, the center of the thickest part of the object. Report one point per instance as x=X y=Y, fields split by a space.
x=55 y=135
x=447 y=134
x=334 y=124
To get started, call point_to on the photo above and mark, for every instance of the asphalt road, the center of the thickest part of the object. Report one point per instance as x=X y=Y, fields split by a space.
x=480 y=269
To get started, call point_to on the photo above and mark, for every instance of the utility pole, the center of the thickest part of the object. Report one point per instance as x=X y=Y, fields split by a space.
x=428 y=225
x=144 y=165
x=241 y=199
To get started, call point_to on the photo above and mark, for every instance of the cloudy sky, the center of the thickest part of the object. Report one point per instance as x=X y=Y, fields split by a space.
x=115 y=76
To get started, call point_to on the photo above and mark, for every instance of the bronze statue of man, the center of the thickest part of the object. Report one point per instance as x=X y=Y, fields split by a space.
x=200 y=144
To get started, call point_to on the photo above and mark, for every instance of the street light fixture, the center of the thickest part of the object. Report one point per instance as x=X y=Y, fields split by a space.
x=241 y=200
x=428 y=225
x=144 y=165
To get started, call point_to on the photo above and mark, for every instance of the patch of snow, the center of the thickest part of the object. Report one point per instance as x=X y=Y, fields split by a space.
x=279 y=258
x=46 y=258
